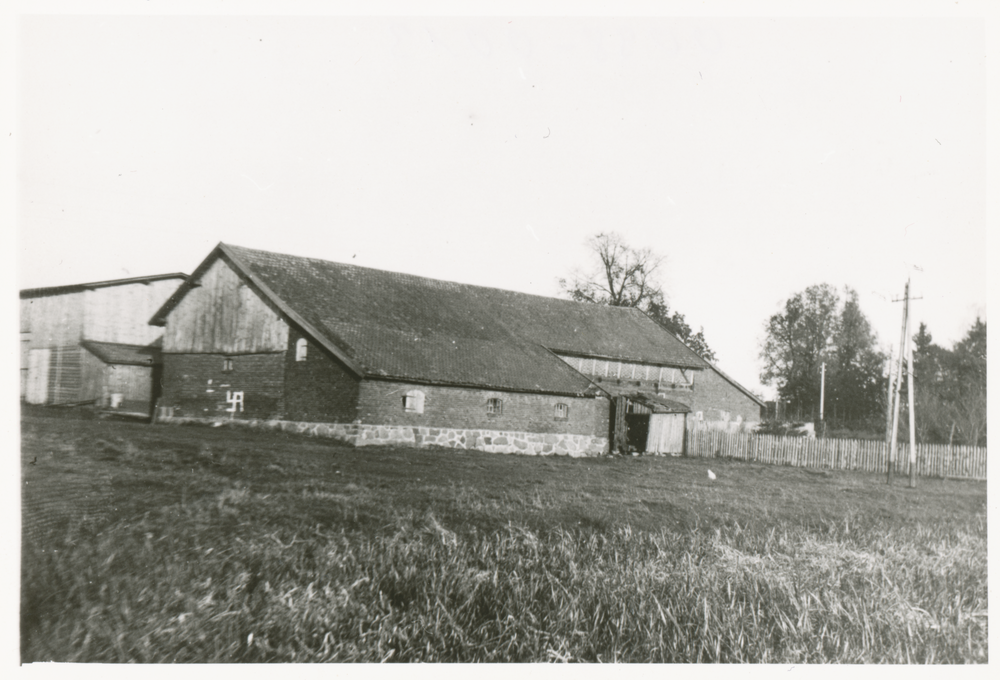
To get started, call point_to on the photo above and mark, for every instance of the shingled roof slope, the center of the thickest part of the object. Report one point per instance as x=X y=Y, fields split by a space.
x=570 y=327
x=410 y=327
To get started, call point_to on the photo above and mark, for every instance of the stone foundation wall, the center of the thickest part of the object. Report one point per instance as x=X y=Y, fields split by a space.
x=358 y=434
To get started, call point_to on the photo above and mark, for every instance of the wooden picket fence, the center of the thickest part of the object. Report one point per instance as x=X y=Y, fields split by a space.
x=933 y=460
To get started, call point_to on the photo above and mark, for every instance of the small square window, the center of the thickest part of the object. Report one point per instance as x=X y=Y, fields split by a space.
x=413 y=401
x=562 y=411
x=494 y=407
x=227 y=365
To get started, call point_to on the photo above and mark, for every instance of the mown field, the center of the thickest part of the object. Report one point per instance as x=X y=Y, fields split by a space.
x=189 y=544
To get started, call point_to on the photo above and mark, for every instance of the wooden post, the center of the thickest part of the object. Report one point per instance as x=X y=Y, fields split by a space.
x=899 y=374
x=620 y=440
x=888 y=396
x=822 y=398
x=909 y=391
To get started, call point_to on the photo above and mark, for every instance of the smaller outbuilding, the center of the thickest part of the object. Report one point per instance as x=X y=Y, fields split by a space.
x=91 y=343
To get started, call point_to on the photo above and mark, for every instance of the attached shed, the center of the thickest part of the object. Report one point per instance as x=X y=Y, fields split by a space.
x=120 y=377
x=647 y=421
x=373 y=357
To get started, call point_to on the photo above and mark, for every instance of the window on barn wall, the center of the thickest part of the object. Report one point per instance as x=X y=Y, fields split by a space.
x=494 y=407
x=413 y=401
x=301 y=349
x=562 y=411
x=227 y=365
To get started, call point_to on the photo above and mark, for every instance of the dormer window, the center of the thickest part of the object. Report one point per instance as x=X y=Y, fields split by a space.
x=301 y=349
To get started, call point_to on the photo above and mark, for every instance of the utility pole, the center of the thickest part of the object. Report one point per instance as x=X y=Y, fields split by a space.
x=888 y=395
x=822 y=397
x=904 y=350
x=913 y=428
x=895 y=399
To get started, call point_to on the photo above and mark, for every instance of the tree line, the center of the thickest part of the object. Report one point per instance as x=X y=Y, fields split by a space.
x=818 y=326
x=951 y=387
x=815 y=327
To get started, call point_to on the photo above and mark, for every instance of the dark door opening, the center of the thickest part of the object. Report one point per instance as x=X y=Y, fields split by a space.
x=636 y=431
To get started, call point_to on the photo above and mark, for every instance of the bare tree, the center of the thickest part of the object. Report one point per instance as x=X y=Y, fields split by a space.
x=623 y=276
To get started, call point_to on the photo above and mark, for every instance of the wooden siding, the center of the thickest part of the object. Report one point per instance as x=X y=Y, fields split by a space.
x=36 y=389
x=134 y=383
x=92 y=381
x=100 y=380
x=65 y=375
x=108 y=314
x=53 y=321
x=223 y=315
x=122 y=313
x=25 y=354
x=630 y=370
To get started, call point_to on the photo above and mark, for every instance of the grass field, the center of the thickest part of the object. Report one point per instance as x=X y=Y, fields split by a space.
x=157 y=543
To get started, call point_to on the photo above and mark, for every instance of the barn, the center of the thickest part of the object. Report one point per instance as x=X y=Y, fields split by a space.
x=91 y=343
x=374 y=357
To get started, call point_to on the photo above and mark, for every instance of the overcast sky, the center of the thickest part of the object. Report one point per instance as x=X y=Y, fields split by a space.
x=759 y=156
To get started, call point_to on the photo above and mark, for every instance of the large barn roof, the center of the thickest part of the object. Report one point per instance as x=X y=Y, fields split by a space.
x=386 y=324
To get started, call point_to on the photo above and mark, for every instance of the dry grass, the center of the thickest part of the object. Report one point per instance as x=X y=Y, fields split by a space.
x=191 y=544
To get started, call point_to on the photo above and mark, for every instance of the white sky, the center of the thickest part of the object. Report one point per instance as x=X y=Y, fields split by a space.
x=759 y=155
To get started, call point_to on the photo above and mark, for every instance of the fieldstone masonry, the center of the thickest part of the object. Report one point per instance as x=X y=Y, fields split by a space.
x=359 y=434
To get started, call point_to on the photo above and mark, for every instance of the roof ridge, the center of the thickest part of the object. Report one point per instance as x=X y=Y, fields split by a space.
x=428 y=278
x=69 y=287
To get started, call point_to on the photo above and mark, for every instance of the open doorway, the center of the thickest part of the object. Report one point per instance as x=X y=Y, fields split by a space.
x=648 y=423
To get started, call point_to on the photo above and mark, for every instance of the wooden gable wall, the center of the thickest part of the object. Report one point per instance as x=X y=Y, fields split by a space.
x=52 y=320
x=225 y=316
x=121 y=313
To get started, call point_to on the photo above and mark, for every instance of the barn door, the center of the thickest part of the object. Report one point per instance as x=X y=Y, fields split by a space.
x=666 y=433
x=38 y=376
